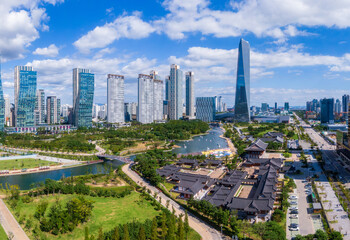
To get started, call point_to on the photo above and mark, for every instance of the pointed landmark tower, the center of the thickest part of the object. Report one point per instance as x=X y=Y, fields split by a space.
x=242 y=103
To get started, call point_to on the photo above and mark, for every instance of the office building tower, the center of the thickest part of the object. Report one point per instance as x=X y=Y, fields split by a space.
x=145 y=99
x=337 y=106
x=190 y=94
x=53 y=107
x=175 y=93
x=345 y=108
x=83 y=96
x=7 y=110
x=12 y=116
x=39 y=112
x=102 y=113
x=64 y=110
x=264 y=107
x=219 y=106
x=275 y=106
x=115 y=98
x=224 y=107
x=205 y=108
x=286 y=106
x=327 y=110
x=158 y=89
x=309 y=106
x=242 y=101
x=25 y=95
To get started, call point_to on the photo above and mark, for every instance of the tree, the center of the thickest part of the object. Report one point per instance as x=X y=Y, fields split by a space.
x=278 y=215
x=142 y=234
x=180 y=229
x=126 y=232
x=154 y=234
x=274 y=231
x=335 y=235
x=320 y=235
x=116 y=234
x=164 y=228
x=100 y=234
x=186 y=225
x=86 y=233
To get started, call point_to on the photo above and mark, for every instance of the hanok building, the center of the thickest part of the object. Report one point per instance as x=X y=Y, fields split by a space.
x=191 y=185
x=188 y=163
x=257 y=149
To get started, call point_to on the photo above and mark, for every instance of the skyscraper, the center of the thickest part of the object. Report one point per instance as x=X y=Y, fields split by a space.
x=286 y=106
x=83 y=96
x=189 y=94
x=175 y=93
x=25 y=95
x=158 y=88
x=327 y=110
x=242 y=102
x=53 y=107
x=219 y=104
x=345 y=108
x=115 y=98
x=39 y=112
x=145 y=99
x=7 y=109
x=264 y=107
x=205 y=109
x=337 y=106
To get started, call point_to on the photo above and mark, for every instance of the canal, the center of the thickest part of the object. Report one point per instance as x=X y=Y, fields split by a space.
x=210 y=141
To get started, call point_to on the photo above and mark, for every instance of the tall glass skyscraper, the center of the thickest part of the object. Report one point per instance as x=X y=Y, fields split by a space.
x=327 y=110
x=83 y=96
x=115 y=98
x=242 y=102
x=25 y=96
x=175 y=94
x=189 y=94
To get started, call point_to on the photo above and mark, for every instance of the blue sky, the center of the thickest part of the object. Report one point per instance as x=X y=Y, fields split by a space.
x=299 y=48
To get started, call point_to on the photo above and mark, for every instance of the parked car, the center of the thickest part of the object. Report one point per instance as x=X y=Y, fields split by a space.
x=293 y=197
x=294 y=208
x=294 y=216
x=294 y=212
x=293 y=203
x=293 y=228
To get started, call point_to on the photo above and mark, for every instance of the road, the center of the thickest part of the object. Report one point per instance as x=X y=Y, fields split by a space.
x=10 y=224
x=337 y=217
x=207 y=232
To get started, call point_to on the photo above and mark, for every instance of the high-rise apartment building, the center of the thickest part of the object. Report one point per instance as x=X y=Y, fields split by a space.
x=205 y=109
x=190 y=94
x=25 y=95
x=327 y=110
x=115 y=98
x=175 y=93
x=53 y=107
x=264 y=107
x=83 y=96
x=145 y=99
x=130 y=111
x=158 y=88
x=219 y=104
x=7 y=110
x=337 y=106
x=242 y=101
x=2 y=106
x=39 y=112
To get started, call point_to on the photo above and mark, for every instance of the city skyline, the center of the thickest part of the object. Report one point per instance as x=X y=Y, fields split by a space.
x=288 y=58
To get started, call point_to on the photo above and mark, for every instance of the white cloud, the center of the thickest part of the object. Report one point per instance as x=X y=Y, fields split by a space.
x=20 y=23
x=132 y=27
x=50 y=51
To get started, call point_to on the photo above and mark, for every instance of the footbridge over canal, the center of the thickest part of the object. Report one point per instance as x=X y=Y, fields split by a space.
x=113 y=157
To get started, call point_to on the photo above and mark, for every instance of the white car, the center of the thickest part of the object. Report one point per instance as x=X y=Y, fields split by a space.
x=293 y=203
x=294 y=208
x=293 y=197
x=294 y=216
x=293 y=228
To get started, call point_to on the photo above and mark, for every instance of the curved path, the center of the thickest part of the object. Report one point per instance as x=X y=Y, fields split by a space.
x=10 y=224
x=207 y=232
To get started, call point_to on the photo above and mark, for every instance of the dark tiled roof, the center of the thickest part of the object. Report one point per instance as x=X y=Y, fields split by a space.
x=185 y=161
x=258 y=145
x=272 y=139
x=211 y=162
x=192 y=183
x=168 y=170
x=273 y=134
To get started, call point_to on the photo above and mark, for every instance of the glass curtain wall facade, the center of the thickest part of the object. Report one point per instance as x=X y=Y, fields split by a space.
x=115 y=98
x=25 y=95
x=242 y=101
x=327 y=110
x=175 y=95
x=189 y=94
x=83 y=96
x=205 y=109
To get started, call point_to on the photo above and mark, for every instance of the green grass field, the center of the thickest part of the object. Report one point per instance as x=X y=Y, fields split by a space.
x=3 y=234
x=23 y=163
x=107 y=213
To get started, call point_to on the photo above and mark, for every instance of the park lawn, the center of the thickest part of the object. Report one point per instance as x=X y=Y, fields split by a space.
x=3 y=234
x=23 y=163
x=107 y=213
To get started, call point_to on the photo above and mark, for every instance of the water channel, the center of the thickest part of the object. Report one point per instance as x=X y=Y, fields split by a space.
x=210 y=141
